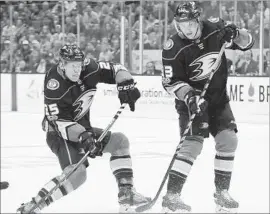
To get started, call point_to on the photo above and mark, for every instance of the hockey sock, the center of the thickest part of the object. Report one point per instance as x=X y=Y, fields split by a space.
x=121 y=167
x=57 y=194
x=178 y=174
x=223 y=170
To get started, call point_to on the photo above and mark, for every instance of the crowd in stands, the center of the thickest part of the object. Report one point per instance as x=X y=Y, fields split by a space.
x=34 y=33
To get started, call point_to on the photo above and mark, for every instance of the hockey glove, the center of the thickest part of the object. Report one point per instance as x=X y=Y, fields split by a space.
x=195 y=105
x=228 y=33
x=128 y=93
x=89 y=143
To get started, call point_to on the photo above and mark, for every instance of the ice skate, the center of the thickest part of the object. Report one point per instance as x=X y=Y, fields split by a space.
x=27 y=207
x=225 y=203
x=172 y=203
x=129 y=199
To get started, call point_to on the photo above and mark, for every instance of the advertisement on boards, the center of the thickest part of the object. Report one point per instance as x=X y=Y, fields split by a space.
x=249 y=96
x=154 y=103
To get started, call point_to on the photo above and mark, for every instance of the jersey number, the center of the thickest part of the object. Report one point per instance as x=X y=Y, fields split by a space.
x=105 y=65
x=167 y=72
x=51 y=109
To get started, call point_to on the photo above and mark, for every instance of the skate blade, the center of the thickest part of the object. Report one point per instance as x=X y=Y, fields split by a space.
x=167 y=210
x=220 y=209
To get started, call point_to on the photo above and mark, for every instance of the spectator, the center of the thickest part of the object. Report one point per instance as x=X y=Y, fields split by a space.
x=89 y=48
x=45 y=14
x=89 y=18
x=8 y=31
x=57 y=35
x=70 y=25
x=254 y=27
x=71 y=39
x=107 y=30
x=5 y=53
x=26 y=51
x=249 y=66
x=211 y=11
x=267 y=64
x=45 y=48
x=146 y=43
x=21 y=67
x=34 y=16
x=135 y=39
x=35 y=45
x=31 y=31
x=105 y=54
x=155 y=35
x=150 y=69
x=116 y=50
x=18 y=56
x=20 y=29
x=34 y=61
x=45 y=34
x=246 y=18
x=41 y=68
x=4 y=66
x=50 y=61
x=146 y=25
x=230 y=66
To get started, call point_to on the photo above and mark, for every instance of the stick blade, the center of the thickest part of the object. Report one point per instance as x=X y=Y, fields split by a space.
x=144 y=207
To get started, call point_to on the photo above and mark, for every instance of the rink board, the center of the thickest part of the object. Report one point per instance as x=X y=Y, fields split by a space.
x=5 y=92
x=249 y=98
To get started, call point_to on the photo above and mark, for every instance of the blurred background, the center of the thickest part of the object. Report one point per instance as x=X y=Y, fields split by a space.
x=130 y=32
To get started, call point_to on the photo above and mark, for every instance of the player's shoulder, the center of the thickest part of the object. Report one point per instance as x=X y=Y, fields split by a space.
x=90 y=65
x=213 y=23
x=172 y=47
x=55 y=86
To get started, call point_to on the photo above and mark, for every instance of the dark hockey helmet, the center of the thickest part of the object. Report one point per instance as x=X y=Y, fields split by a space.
x=71 y=53
x=187 y=20
x=187 y=11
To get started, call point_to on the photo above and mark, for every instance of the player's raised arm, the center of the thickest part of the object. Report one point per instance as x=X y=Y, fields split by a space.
x=115 y=73
x=128 y=93
x=237 y=38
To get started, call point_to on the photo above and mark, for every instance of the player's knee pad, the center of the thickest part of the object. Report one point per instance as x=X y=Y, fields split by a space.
x=78 y=177
x=226 y=141
x=191 y=147
x=118 y=144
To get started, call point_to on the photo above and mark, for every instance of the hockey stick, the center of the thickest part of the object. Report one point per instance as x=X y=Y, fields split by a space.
x=151 y=203
x=105 y=131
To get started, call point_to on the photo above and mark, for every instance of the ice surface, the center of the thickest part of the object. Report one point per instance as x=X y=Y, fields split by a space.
x=27 y=164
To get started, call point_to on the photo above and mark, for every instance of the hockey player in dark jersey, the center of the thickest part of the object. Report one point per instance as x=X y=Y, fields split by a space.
x=188 y=58
x=69 y=89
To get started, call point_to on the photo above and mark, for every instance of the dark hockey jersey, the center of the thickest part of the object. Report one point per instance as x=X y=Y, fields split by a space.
x=67 y=104
x=189 y=63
